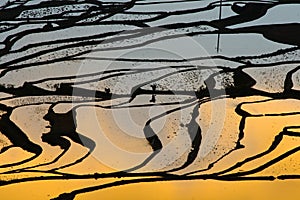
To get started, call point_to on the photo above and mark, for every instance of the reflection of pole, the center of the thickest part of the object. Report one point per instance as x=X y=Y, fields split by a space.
x=220 y=16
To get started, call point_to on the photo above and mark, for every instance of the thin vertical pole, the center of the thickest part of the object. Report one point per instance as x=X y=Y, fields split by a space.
x=219 y=35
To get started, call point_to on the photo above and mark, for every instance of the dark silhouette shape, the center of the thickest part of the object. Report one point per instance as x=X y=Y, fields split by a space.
x=242 y=84
x=153 y=86
x=64 y=125
x=48 y=26
x=246 y=12
x=283 y=33
x=16 y=136
x=152 y=138
x=107 y=90
x=194 y=132
x=64 y=89
x=153 y=99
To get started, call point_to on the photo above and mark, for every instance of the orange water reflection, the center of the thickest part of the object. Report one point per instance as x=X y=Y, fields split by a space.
x=259 y=133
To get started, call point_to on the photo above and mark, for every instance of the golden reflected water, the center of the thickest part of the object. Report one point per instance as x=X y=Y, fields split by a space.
x=259 y=133
x=177 y=190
